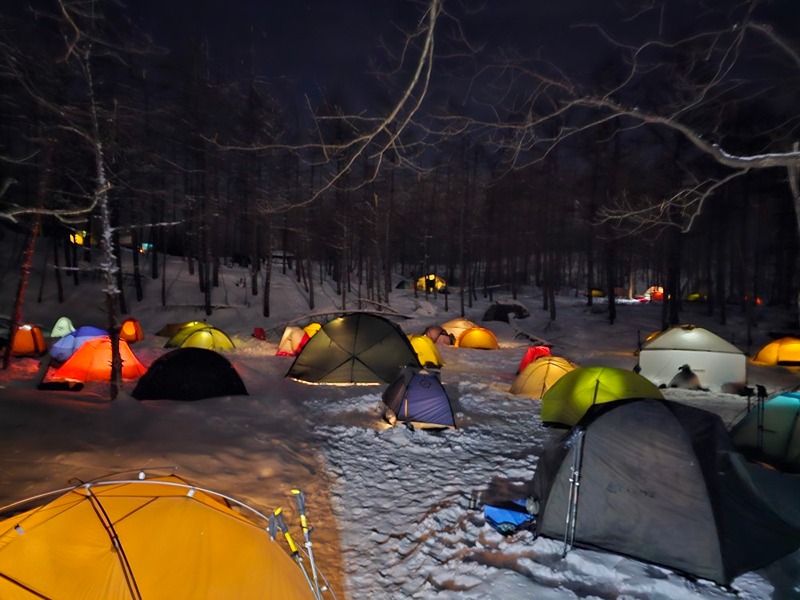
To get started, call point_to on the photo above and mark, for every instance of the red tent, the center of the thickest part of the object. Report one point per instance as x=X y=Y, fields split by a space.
x=531 y=355
x=92 y=362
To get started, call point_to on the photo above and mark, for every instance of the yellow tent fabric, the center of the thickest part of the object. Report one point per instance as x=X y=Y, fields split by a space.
x=784 y=351
x=570 y=397
x=131 y=330
x=426 y=350
x=431 y=281
x=458 y=326
x=200 y=336
x=158 y=538
x=478 y=337
x=171 y=329
x=312 y=328
x=540 y=375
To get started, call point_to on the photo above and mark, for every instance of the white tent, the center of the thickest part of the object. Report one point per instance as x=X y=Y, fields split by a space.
x=719 y=365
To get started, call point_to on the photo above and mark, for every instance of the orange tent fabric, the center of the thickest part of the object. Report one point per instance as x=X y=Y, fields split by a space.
x=783 y=351
x=131 y=331
x=28 y=341
x=478 y=337
x=92 y=362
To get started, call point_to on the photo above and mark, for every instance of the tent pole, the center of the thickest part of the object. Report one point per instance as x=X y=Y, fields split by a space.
x=574 y=484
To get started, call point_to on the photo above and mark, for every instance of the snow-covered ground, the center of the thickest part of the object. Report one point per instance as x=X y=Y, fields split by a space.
x=396 y=512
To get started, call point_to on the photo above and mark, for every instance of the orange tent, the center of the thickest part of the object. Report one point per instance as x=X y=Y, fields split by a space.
x=131 y=331
x=92 y=362
x=458 y=326
x=478 y=337
x=783 y=351
x=28 y=340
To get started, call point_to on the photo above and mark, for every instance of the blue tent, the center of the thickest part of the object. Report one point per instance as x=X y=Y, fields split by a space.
x=67 y=345
x=418 y=399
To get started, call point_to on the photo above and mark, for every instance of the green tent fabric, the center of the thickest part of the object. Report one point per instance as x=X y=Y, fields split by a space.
x=201 y=335
x=568 y=399
x=777 y=440
x=660 y=481
x=62 y=327
x=355 y=348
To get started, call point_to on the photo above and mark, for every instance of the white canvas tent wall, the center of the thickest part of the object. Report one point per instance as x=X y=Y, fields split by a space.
x=719 y=365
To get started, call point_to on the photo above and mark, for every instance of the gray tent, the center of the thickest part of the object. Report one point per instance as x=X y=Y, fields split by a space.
x=660 y=482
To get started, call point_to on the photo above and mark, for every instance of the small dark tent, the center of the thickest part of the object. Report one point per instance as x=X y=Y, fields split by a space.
x=500 y=311
x=355 y=348
x=417 y=398
x=772 y=433
x=660 y=481
x=189 y=374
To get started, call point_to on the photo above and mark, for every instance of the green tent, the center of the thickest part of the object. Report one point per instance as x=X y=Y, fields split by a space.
x=772 y=435
x=568 y=399
x=201 y=335
x=355 y=348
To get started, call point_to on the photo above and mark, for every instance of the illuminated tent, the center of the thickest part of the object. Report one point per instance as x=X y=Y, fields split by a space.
x=312 y=328
x=717 y=363
x=62 y=327
x=478 y=337
x=540 y=375
x=531 y=354
x=292 y=341
x=355 y=348
x=189 y=374
x=654 y=293
x=784 y=351
x=200 y=336
x=92 y=362
x=568 y=399
x=426 y=351
x=431 y=283
x=418 y=399
x=65 y=347
x=439 y=335
x=28 y=341
x=772 y=435
x=131 y=330
x=172 y=328
x=458 y=326
x=660 y=481
x=157 y=538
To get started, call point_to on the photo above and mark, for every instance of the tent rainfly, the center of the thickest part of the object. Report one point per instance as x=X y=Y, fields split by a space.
x=540 y=375
x=92 y=362
x=146 y=538
x=660 y=481
x=783 y=351
x=479 y=338
x=426 y=350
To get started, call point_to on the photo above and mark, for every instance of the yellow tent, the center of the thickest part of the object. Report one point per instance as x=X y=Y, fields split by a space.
x=431 y=282
x=200 y=336
x=426 y=351
x=784 y=351
x=312 y=328
x=538 y=376
x=171 y=329
x=478 y=337
x=157 y=538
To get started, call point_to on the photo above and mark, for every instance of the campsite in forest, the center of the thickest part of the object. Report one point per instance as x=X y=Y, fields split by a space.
x=414 y=299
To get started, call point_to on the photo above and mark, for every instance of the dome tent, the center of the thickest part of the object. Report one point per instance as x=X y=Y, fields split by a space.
x=65 y=347
x=418 y=399
x=571 y=396
x=540 y=375
x=479 y=338
x=189 y=374
x=772 y=433
x=171 y=329
x=200 y=336
x=92 y=362
x=660 y=481
x=457 y=326
x=62 y=327
x=146 y=538
x=783 y=351
x=131 y=330
x=354 y=348
x=292 y=341
x=717 y=363
x=426 y=351
x=28 y=341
